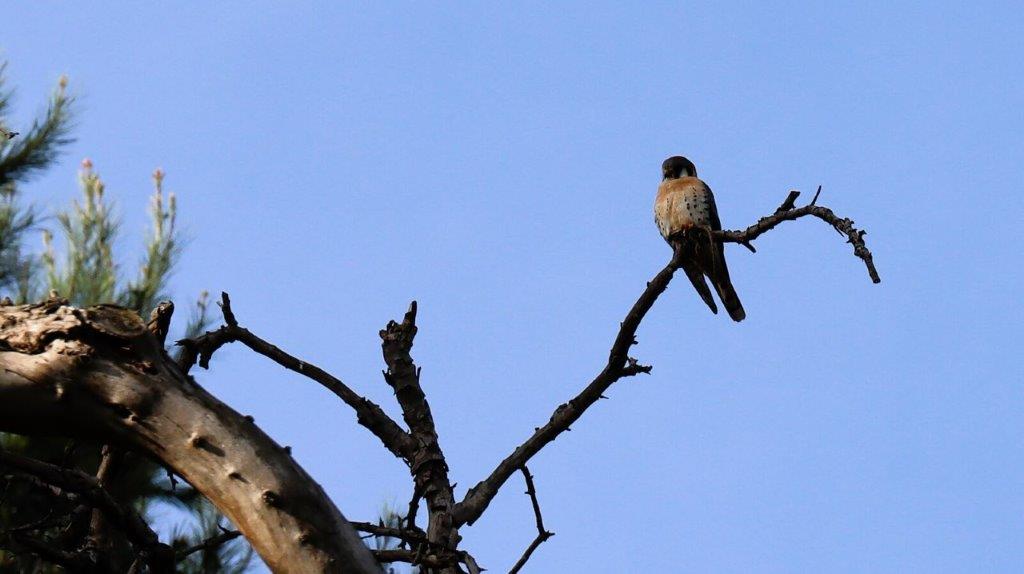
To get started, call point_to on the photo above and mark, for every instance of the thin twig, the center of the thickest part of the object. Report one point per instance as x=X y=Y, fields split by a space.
x=410 y=516
x=478 y=497
x=542 y=533
x=844 y=226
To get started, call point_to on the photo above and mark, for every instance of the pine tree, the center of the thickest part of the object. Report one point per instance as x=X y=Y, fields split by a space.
x=85 y=271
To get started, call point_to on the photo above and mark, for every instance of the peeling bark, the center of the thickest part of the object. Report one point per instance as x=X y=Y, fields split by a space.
x=98 y=373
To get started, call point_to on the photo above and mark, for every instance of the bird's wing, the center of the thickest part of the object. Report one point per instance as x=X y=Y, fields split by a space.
x=716 y=268
x=716 y=223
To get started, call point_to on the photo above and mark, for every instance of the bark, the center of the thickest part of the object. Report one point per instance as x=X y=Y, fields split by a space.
x=98 y=373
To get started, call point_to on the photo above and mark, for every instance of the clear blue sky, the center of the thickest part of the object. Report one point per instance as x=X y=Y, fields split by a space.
x=498 y=164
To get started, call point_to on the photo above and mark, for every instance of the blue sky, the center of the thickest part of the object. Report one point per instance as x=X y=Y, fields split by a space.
x=498 y=164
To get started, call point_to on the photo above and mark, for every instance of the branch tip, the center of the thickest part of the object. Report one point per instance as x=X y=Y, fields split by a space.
x=816 y=194
x=225 y=306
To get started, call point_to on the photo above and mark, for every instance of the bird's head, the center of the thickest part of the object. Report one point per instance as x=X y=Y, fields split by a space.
x=677 y=166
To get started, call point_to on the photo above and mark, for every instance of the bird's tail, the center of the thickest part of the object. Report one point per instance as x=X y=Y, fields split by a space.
x=719 y=275
x=697 y=278
x=729 y=298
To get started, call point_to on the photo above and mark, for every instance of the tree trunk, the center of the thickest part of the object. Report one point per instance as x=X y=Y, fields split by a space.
x=98 y=373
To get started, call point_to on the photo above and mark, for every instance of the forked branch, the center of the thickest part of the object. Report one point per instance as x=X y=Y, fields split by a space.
x=542 y=533
x=789 y=212
x=619 y=363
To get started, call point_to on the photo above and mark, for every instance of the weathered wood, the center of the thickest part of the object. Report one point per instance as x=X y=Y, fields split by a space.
x=98 y=373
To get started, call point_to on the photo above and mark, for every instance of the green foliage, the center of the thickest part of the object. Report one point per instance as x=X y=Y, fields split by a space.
x=84 y=269
x=16 y=268
x=88 y=275
x=20 y=158
x=36 y=149
x=163 y=247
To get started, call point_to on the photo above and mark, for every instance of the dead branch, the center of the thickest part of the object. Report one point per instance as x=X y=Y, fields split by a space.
x=147 y=401
x=619 y=363
x=478 y=497
x=787 y=212
x=160 y=320
x=368 y=414
x=542 y=533
x=434 y=560
x=429 y=467
x=98 y=373
x=410 y=535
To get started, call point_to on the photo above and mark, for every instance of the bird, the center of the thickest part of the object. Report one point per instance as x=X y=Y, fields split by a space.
x=685 y=213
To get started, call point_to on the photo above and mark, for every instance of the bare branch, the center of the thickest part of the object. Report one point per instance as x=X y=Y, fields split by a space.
x=160 y=320
x=97 y=373
x=413 y=536
x=414 y=506
x=789 y=203
x=634 y=368
x=429 y=468
x=441 y=559
x=478 y=497
x=787 y=212
x=542 y=533
x=368 y=414
x=619 y=365
x=433 y=559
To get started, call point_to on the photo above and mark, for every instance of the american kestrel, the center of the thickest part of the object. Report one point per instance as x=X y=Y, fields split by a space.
x=686 y=214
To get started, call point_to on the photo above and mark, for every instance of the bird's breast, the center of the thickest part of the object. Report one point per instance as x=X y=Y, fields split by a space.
x=681 y=204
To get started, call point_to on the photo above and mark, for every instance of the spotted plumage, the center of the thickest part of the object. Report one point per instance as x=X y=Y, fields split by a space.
x=685 y=213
